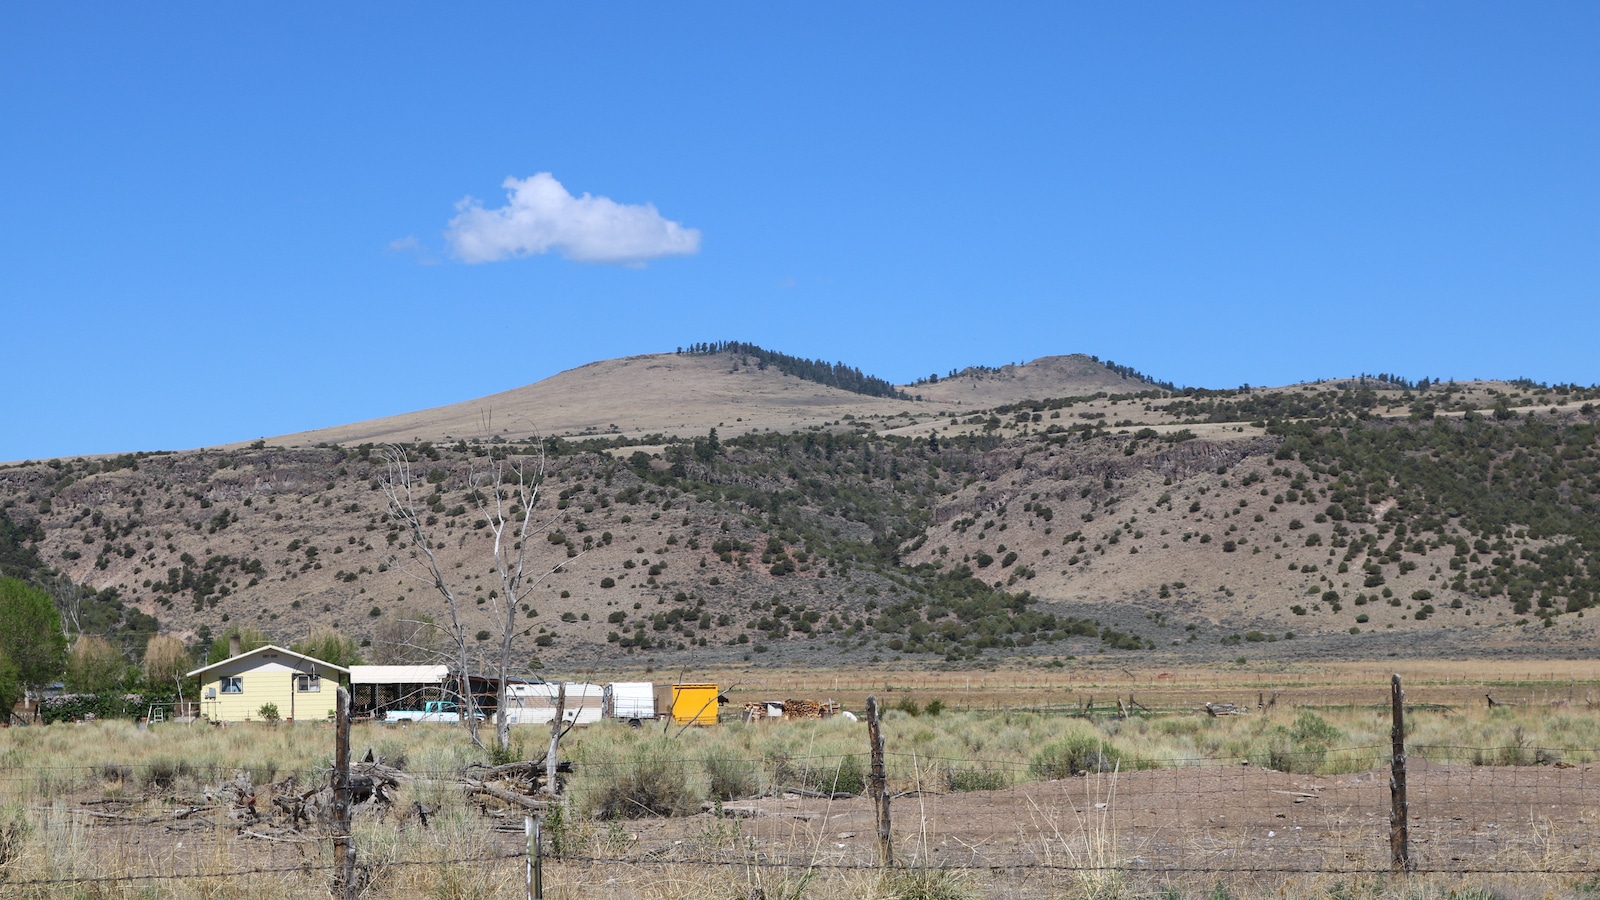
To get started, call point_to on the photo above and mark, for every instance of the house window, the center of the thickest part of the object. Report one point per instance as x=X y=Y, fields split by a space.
x=233 y=684
x=308 y=684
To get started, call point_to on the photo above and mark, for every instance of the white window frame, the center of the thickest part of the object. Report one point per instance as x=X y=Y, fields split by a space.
x=308 y=683
x=236 y=682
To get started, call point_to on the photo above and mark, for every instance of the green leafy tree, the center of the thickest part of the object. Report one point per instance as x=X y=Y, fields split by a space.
x=10 y=682
x=331 y=647
x=17 y=556
x=708 y=449
x=249 y=639
x=30 y=633
x=165 y=660
x=94 y=666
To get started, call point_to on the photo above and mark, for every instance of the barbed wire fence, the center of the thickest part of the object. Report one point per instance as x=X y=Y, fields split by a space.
x=1011 y=826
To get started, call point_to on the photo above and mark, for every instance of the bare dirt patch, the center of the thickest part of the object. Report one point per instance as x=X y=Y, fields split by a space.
x=1192 y=820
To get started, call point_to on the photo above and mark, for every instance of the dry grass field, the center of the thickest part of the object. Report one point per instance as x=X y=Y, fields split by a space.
x=1288 y=799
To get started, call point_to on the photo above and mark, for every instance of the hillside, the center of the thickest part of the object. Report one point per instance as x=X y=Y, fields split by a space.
x=688 y=394
x=1363 y=518
x=1045 y=377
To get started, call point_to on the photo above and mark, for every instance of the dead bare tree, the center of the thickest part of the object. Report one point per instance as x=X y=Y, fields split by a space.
x=506 y=495
x=409 y=637
x=69 y=597
x=517 y=525
x=399 y=490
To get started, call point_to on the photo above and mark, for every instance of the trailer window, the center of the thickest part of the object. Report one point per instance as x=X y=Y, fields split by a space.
x=308 y=684
x=233 y=684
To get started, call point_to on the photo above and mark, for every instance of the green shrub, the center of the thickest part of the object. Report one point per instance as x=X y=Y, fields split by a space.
x=649 y=780
x=730 y=777
x=847 y=776
x=929 y=884
x=1303 y=746
x=959 y=779
x=1084 y=752
x=76 y=707
x=163 y=772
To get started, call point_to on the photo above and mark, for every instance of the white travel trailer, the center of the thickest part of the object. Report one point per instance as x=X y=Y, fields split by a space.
x=633 y=702
x=535 y=704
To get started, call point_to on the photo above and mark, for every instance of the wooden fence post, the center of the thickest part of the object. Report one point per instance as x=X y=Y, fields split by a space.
x=555 y=739
x=535 y=871
x=538 y=860
x=344 y=851
x=1399 y=811
x=880 y=785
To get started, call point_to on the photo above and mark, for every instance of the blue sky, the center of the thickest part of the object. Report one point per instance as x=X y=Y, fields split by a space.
x=221 y=223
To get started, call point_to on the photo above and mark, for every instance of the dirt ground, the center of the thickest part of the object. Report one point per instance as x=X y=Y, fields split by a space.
x=1187 y=827
x=1185 y=820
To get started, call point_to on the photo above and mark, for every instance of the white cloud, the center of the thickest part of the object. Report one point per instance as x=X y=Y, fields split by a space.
x=540 y=217
x=410 y=246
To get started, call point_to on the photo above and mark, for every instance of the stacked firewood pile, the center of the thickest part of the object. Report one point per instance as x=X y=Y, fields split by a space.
x=802 y=709
x=790 y=709
x=809 y=709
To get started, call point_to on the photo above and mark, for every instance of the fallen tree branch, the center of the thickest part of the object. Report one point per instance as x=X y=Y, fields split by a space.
x=478 y=787
x=532 y=768
x=806 y=792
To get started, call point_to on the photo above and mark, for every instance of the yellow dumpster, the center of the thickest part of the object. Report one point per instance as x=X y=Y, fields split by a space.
x=687 y=703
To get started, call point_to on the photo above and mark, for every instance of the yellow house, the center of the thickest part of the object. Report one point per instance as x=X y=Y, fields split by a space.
x=300 y=686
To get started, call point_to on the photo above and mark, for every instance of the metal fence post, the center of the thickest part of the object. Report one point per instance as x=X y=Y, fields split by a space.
x=1399 y=811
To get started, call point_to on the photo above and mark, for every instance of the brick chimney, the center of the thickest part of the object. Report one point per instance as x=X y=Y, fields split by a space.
x=234 y=647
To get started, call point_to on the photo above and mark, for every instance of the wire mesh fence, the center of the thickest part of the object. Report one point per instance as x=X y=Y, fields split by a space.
x=1069 y=816
x=995 y=826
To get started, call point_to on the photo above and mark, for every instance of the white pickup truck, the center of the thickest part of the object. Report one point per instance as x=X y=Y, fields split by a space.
x=446 y=711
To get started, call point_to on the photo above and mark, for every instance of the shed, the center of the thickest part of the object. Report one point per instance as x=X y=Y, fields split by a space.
x=235 y=689
x=378 y=689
